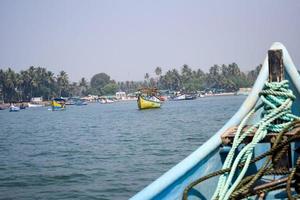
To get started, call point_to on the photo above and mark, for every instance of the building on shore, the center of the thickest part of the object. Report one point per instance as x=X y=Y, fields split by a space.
x=36 y=99
x=121 y=95
x=243 y=91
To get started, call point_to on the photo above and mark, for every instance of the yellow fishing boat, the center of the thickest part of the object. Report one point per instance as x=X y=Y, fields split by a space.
x=147 y=99
x=146 y=102
x=58 y=104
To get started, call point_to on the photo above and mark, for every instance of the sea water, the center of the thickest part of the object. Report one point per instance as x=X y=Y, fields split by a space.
x=102 y=151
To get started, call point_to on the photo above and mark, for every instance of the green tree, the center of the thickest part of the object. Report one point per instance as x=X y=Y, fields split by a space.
x=63 y=83
x=252 y=75
x=98 y=81
x=110 y=89
x=158 y=71
x=146 y=77
x=83 y=85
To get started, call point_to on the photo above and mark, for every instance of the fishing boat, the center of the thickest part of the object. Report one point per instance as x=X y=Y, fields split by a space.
x=58 y=104
x=14 y=108
x=147 y=99
x=247 y=157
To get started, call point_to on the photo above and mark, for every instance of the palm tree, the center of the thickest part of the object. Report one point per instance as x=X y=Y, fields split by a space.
x=10 y=85
x=83 y=86
x=158 y=72
x=50 y=84
x=146 y=78
x=62 y=82
x=2 y=77
x=186 y=72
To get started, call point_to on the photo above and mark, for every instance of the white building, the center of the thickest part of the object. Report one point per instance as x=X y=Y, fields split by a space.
x=36 y=99
x=121 y=95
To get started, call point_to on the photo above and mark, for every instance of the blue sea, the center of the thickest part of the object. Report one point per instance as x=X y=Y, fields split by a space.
x=102 y=151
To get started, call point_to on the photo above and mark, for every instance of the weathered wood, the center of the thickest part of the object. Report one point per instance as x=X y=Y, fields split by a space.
x=276 y=72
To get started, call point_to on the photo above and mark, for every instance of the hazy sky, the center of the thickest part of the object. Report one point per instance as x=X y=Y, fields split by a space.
x=126 y=39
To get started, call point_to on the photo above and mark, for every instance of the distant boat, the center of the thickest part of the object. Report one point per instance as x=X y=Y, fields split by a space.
x=178 y=98
x=31 y=105
x=22 y=106
x=76 y=101
x=70 y=102
x=58 y=104
x=184 y=97
x=106 y=100
x=14 y=108
x=261 y=180
x=190 y=97
x=147 y=99
x=80 y=103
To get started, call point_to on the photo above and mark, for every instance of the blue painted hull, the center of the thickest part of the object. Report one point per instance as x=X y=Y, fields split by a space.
x=54 y=108
x=209 y=157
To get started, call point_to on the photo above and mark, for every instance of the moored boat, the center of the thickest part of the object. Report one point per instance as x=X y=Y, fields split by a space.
x=106 y=101
x=76 y=101
x=257 y=122
x=22 y=106
x=14 y=108
x=58 y=104
x=80 y=103
x=180 y=97
x=190 y=97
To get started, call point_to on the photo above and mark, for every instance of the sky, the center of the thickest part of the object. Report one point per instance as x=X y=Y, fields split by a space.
x=127 y=39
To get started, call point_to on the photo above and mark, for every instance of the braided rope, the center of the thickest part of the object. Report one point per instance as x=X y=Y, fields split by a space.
x=272 y=151
x=277 y=117
x=277 y=100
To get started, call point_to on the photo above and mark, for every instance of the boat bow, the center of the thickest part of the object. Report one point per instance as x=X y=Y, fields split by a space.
x=171 y=184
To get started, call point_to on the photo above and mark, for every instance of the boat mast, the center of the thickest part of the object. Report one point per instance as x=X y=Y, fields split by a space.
x=276 y=72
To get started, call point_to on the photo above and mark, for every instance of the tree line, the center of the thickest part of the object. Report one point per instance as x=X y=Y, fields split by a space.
x=40 y=82
x=226 y=78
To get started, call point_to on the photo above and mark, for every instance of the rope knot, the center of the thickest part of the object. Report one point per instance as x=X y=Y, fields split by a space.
x=276 y=115
x=277 y=96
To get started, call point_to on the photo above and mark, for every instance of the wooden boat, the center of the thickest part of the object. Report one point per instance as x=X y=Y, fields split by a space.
x=148 y=102
x=58 y=104
x=147 y=99
x=210 y=156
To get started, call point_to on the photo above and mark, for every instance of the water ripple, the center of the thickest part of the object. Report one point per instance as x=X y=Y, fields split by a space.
x=101 y=151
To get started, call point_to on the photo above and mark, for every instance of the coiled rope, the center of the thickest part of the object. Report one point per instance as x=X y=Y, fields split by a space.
x=276 y=100
x=278 y=146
